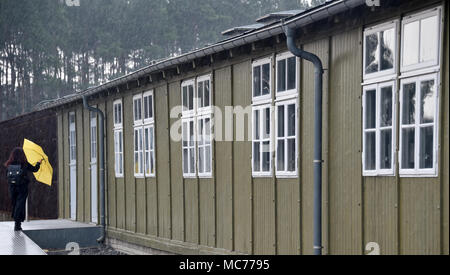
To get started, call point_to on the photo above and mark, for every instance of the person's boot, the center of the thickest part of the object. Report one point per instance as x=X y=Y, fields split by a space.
x=17 y=226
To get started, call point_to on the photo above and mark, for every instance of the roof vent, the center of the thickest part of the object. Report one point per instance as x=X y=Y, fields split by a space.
x=277 y=16
x=241 y=29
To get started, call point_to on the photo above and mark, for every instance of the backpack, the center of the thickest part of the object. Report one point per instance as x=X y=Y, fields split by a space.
x=15 y=174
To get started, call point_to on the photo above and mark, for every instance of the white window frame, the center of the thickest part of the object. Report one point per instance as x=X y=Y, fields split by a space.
x=259 y=63
x=72 y=139
x=287 y=94
x=187 y=83
x=417 y=172
x=188 y=147
x=151 y=118
x=377 y=130
x=93 y=137
x=437 y=11
x=377 y=29
x=207 y=109
x=285 y=173
x=118 y=144
x=150 y=151
x=261 y=140
x=205 y=137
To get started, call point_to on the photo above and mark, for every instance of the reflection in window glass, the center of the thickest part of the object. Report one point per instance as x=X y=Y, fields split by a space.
x=371 y=101
x=409 y=104
x=281 y=76
x=427 y=103
x=387 y=48
x=266 y=79
x=426 y=148
x=257 y=81
x=408 y=148
x=386 y=149
x=372 y=60
x=292 y=71
x=369 y=151
x=386 y=107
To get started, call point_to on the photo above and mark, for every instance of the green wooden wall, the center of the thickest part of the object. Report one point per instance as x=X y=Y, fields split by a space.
x=235 y=213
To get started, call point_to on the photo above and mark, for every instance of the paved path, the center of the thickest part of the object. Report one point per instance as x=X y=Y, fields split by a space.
x=16 y=243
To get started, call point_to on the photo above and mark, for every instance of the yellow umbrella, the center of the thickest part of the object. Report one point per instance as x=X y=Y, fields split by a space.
x=34 y=154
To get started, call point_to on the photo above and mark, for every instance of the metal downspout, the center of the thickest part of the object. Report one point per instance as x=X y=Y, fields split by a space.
x=290 y=34
x=102 y=167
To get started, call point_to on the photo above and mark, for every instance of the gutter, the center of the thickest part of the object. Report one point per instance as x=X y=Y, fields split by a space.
x=102 y=166
x=316 y=14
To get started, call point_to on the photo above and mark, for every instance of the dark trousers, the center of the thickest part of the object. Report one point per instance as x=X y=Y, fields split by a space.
x=19 y=194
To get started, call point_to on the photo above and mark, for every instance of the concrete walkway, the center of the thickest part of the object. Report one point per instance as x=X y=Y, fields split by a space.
x=16 y=243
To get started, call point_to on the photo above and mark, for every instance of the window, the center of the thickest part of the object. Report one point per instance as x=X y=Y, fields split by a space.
x=93 y=137
x=197 y=127
x=118 y=138
x=262 y=145
x=418 y=137
x=421 y=40
x=380 y=46
x=286 y=138
x=204 y=146
x=378 y=124
x=72 y=139
x=188 y=148
x=262 y=79
x=144 y=135
x=286 y=74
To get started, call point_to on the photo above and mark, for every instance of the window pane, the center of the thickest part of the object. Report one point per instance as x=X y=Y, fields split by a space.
x=370 y=109
x=292 y=72
x=208 y=159
x=207 y=94
x=146 y=139
x=369 y=151
x=408 y=141
x=191 y=133
x=266 y=79
x=257 y=81
x=146 y=109
x=116 y=120
x=387 y=49
x=151 y=139
x=266 y=156
x=280 y=155
x=256 y=125
x=266 y=123
x=120 y=114
x=185 y=161
x=281 y=75
x=136 y=163
x=207 y=130
x=200 y=95
x=192 y=160
x=386 y=149
x=152 y=159
x=185 y=99
x=147 y=162
x=371 y=53
x=429 y=33
x=256 y=157
x=139 y=109
x=150 y=106
x=386 y=107
x=280 y=121
x=291 y=155
x=426 y=147
x=409 y=104
x=201 y=131
x=191 y=97
x=427 y=103
x=185 y=134
x=291 y=120
x=411 y=44
x=200 y=159
x=136 y=140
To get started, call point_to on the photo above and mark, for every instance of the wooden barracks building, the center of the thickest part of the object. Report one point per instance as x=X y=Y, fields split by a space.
x=385 y=138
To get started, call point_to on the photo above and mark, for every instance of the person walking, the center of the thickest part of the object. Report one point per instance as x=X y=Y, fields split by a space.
x=17 y=172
